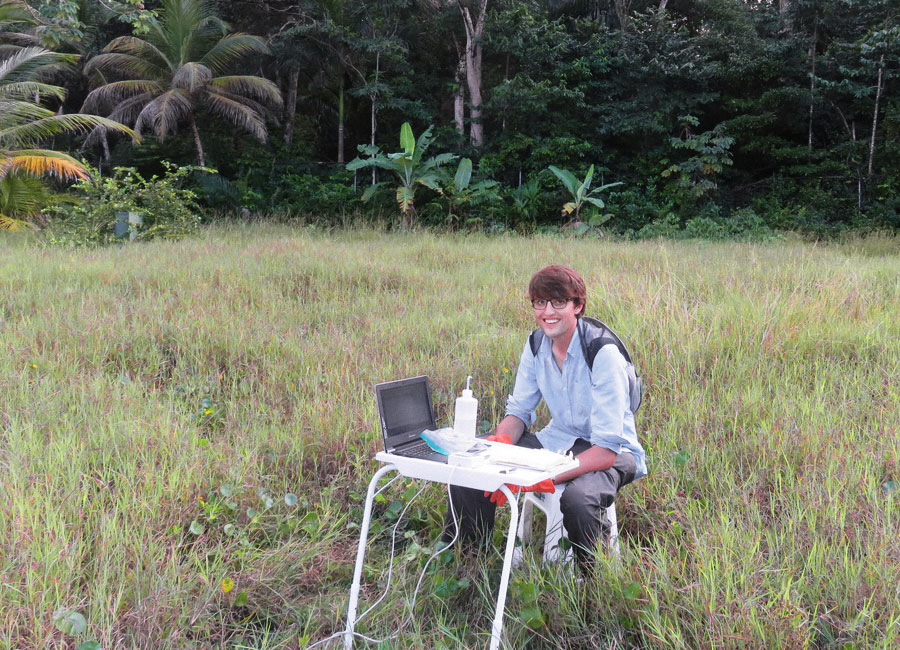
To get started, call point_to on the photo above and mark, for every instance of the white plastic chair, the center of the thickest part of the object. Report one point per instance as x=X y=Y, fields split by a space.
x=555 y=531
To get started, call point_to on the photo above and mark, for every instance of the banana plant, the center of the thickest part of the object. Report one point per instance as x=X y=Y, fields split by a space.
x=582 y=194
x=409 y=166
x=459 y=192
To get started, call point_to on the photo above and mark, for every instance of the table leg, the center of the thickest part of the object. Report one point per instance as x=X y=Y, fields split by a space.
x=361 y=554
x=497 y=626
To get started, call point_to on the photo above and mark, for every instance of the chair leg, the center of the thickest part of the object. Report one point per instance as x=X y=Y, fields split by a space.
x=612 y=542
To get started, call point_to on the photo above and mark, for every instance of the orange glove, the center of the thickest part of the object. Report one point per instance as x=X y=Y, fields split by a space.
x=500 y=437
x=544 y=486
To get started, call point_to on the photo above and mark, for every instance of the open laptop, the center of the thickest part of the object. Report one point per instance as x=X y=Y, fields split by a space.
x=405 y=411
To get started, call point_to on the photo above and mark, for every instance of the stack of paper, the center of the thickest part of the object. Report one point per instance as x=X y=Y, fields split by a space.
x=542 y=459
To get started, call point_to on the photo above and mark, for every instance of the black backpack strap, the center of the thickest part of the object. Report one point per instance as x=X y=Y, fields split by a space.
x=602 y=334
x=594 y=334
x=535 y=340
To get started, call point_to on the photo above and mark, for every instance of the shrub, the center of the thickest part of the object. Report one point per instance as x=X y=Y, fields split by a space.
x=166 y=207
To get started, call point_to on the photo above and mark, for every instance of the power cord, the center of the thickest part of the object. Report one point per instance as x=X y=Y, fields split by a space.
x=436 y=552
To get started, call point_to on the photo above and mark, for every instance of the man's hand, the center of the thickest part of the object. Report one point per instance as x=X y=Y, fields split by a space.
x=544 y=486
x=500 y=437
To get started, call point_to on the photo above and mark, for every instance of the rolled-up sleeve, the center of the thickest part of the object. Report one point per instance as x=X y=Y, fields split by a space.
x=609 y=391
x=526 y=395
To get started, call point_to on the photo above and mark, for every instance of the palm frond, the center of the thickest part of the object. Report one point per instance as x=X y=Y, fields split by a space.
x=38 y=130
x=251 y=86
x=21 y=197
x=28 y=89
x=41 y=162
x=192 y=77
x=32 y=62
x=14 y=113
x=164 y=112
x=142 y=49
x=125 y=65
x=230 y=48
x=241 y=116
x=113 y=93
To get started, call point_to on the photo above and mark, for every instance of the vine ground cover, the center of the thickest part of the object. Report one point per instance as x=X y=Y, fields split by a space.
x=187 y=429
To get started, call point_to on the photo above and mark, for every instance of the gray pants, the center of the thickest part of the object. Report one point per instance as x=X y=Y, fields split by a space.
x=581 y=503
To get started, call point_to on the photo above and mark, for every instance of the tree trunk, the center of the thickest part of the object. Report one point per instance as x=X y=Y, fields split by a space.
x=374 y=98
x=812 y=85
x=622 y=9
x=104 y=142
x=879 y=87
x=197 y=144
x=340 y=142
x=474 y=33
x=290 y=107
x=459 y=97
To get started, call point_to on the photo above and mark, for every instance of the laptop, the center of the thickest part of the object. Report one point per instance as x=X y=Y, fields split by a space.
x=405 y=411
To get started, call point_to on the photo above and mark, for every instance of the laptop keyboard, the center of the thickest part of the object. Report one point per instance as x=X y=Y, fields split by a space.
x=422 y=451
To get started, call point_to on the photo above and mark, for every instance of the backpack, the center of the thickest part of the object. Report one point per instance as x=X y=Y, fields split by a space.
x=594 y=335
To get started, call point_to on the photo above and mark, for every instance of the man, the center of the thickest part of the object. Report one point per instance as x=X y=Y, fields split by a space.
x=590 y=416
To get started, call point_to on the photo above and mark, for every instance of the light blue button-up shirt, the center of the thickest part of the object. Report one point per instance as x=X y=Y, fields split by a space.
x=593 y=405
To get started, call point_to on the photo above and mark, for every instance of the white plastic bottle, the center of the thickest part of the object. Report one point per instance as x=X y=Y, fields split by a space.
x=466 y=414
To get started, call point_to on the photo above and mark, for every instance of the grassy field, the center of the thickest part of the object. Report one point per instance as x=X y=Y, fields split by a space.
x=186 y=434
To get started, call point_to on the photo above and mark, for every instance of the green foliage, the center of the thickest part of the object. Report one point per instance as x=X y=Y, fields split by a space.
x=25 y=123
x=463 y=202
x=179 y=69
x=168 y=209
x=581 y=194
x=695 y=177
x=409 y=166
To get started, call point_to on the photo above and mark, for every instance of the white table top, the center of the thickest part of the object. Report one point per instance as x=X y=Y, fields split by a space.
x=488 y=477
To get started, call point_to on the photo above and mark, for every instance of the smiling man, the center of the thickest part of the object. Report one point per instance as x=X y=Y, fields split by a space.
x=590 y=416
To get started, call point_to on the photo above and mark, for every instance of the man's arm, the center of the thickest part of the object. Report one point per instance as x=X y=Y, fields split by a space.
x=594 y=459
x=512 y=427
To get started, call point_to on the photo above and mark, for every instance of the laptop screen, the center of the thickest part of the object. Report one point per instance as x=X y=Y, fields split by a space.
x=405 y=408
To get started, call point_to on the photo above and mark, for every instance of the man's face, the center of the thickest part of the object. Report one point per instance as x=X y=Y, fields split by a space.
x=557 y=322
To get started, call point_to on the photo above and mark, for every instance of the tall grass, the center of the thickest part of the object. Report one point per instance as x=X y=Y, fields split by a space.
x=164 y=403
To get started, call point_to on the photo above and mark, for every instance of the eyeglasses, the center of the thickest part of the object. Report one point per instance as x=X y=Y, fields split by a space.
x=556 y=303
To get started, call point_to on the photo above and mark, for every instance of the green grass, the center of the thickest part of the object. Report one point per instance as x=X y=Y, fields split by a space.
x=238 y=367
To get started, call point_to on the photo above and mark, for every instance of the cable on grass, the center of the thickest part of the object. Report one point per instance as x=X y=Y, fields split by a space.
x=391 y=568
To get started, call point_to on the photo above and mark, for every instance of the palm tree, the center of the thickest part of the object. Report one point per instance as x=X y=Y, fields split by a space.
x=164 y=79
x=25 y=123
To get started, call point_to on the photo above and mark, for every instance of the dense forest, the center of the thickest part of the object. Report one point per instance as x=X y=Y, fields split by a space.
x=691 y=117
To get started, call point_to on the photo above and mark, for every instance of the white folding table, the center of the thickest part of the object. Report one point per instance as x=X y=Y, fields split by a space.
x=488 y=477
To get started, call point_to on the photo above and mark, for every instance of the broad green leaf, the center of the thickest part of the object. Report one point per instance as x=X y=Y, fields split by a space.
x=595 y=201
x=532 y=617
x=226 y=490
x=586 y=184
x=568 y=179
x=405 y=198
x=196 y=528
x=606 y=187
x=463 y=174
x=241 y=599
x=69 y=622
x=422 y=145
x=290 y=499
x=600 y=219
x=89 y=645
x=632 y=591
x=407 y=140
x=370 y=192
